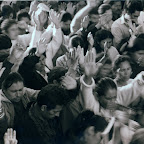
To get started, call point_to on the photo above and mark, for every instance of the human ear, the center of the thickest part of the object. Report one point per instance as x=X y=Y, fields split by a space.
x=43 y=108
x=91 y=130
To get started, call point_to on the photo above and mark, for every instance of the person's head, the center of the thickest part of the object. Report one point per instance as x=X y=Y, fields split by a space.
x=133 y=9
x=55 y=75
x=105 y=10
x=7 y=12
x=107 y=91
x=13 y=87
x=51 y=100
x=23 y=16
x=137 y=51
x=66 y=19
x=116 y=6
x=122 y=67
x=75 y=41
x=106 y=69
x=138 y=137
x=103 y=36
x=94 y=16
x=88 y=127
x=10 y=28
x=5 y=45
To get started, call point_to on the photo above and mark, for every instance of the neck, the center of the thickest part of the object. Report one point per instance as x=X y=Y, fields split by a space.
x=121 y=81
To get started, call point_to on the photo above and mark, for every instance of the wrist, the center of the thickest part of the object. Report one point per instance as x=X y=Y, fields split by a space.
x=57 y=26
x=37 y=54
x=11 y=59
x=87 y=79
x=39 y=28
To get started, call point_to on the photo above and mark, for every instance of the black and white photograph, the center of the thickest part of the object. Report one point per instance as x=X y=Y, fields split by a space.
x=71 y=71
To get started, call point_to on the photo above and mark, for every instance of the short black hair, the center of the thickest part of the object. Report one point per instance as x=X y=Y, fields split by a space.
x=7 y=23
x=102 y=35
x=86 y=119
x=52 y=95
x=94 y=10
x=6 y=11
x=103 y=85
x=22 y=14
x=119 y=60
x=66 y=16
x=133 y=5
x=76 y=41
x=11 y=79
x=56 y=74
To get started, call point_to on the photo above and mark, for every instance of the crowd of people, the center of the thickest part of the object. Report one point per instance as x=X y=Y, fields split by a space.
x=72 y=72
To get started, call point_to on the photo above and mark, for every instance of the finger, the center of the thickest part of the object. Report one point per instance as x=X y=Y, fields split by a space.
x=14 y=134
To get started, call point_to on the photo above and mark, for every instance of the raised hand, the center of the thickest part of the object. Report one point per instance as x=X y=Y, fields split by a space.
x=80 y=52
x=62 y=7
x=72 y=59
x=90 y=39
x=55 y=18
x=68 y=82
x=10 y=137
x=42 y=45
x=90 y=67
x=17 y=53
x=70 y=8
x=85 y=22
x=40 y=18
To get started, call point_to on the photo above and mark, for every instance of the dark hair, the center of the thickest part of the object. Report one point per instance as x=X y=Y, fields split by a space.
x=94 y=10
x=7 y=23
x=103 y=8
x=76 y=41
x=66 y=16
x=87 y=119
x=119 y=60
x=112 y=2
x=102 y=35
x=138 y=137
x=133 y=5
x=22 y=14
x=52 y=95
x=138 y=45
x=11 y=79
x=56 y=73
x=103 y=85
x=141 y=36
x=6 y=11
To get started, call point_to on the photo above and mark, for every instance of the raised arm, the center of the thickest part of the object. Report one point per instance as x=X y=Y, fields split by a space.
x=128 y=94
x=88 y=84
x=76 y=22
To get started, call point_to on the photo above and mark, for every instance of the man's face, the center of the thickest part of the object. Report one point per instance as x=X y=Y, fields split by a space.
x=13 y=32
x=134 y=16
x=26 y=19
x=105 y=70
x=54 y=112
x=41 y=64
x=138 y=55
x=125 y=71
x=117 y=8
x=15 y=92
x=66 y=27
x=109 y=43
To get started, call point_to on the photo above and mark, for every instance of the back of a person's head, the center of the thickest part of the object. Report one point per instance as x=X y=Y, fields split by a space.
x=138 y=137
x=102 y=35
x=21 y=14
x=119 y=60
x=133 y=5
x=87 y=119
x=6 y=24
x=94 y=11
x=105 y=84
x=56 y=74
x=66 y=17
x=138 y=45
x=6 y=11
x=76 y=41
x=51 y=96
x=11 y=79
x=103 y=8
